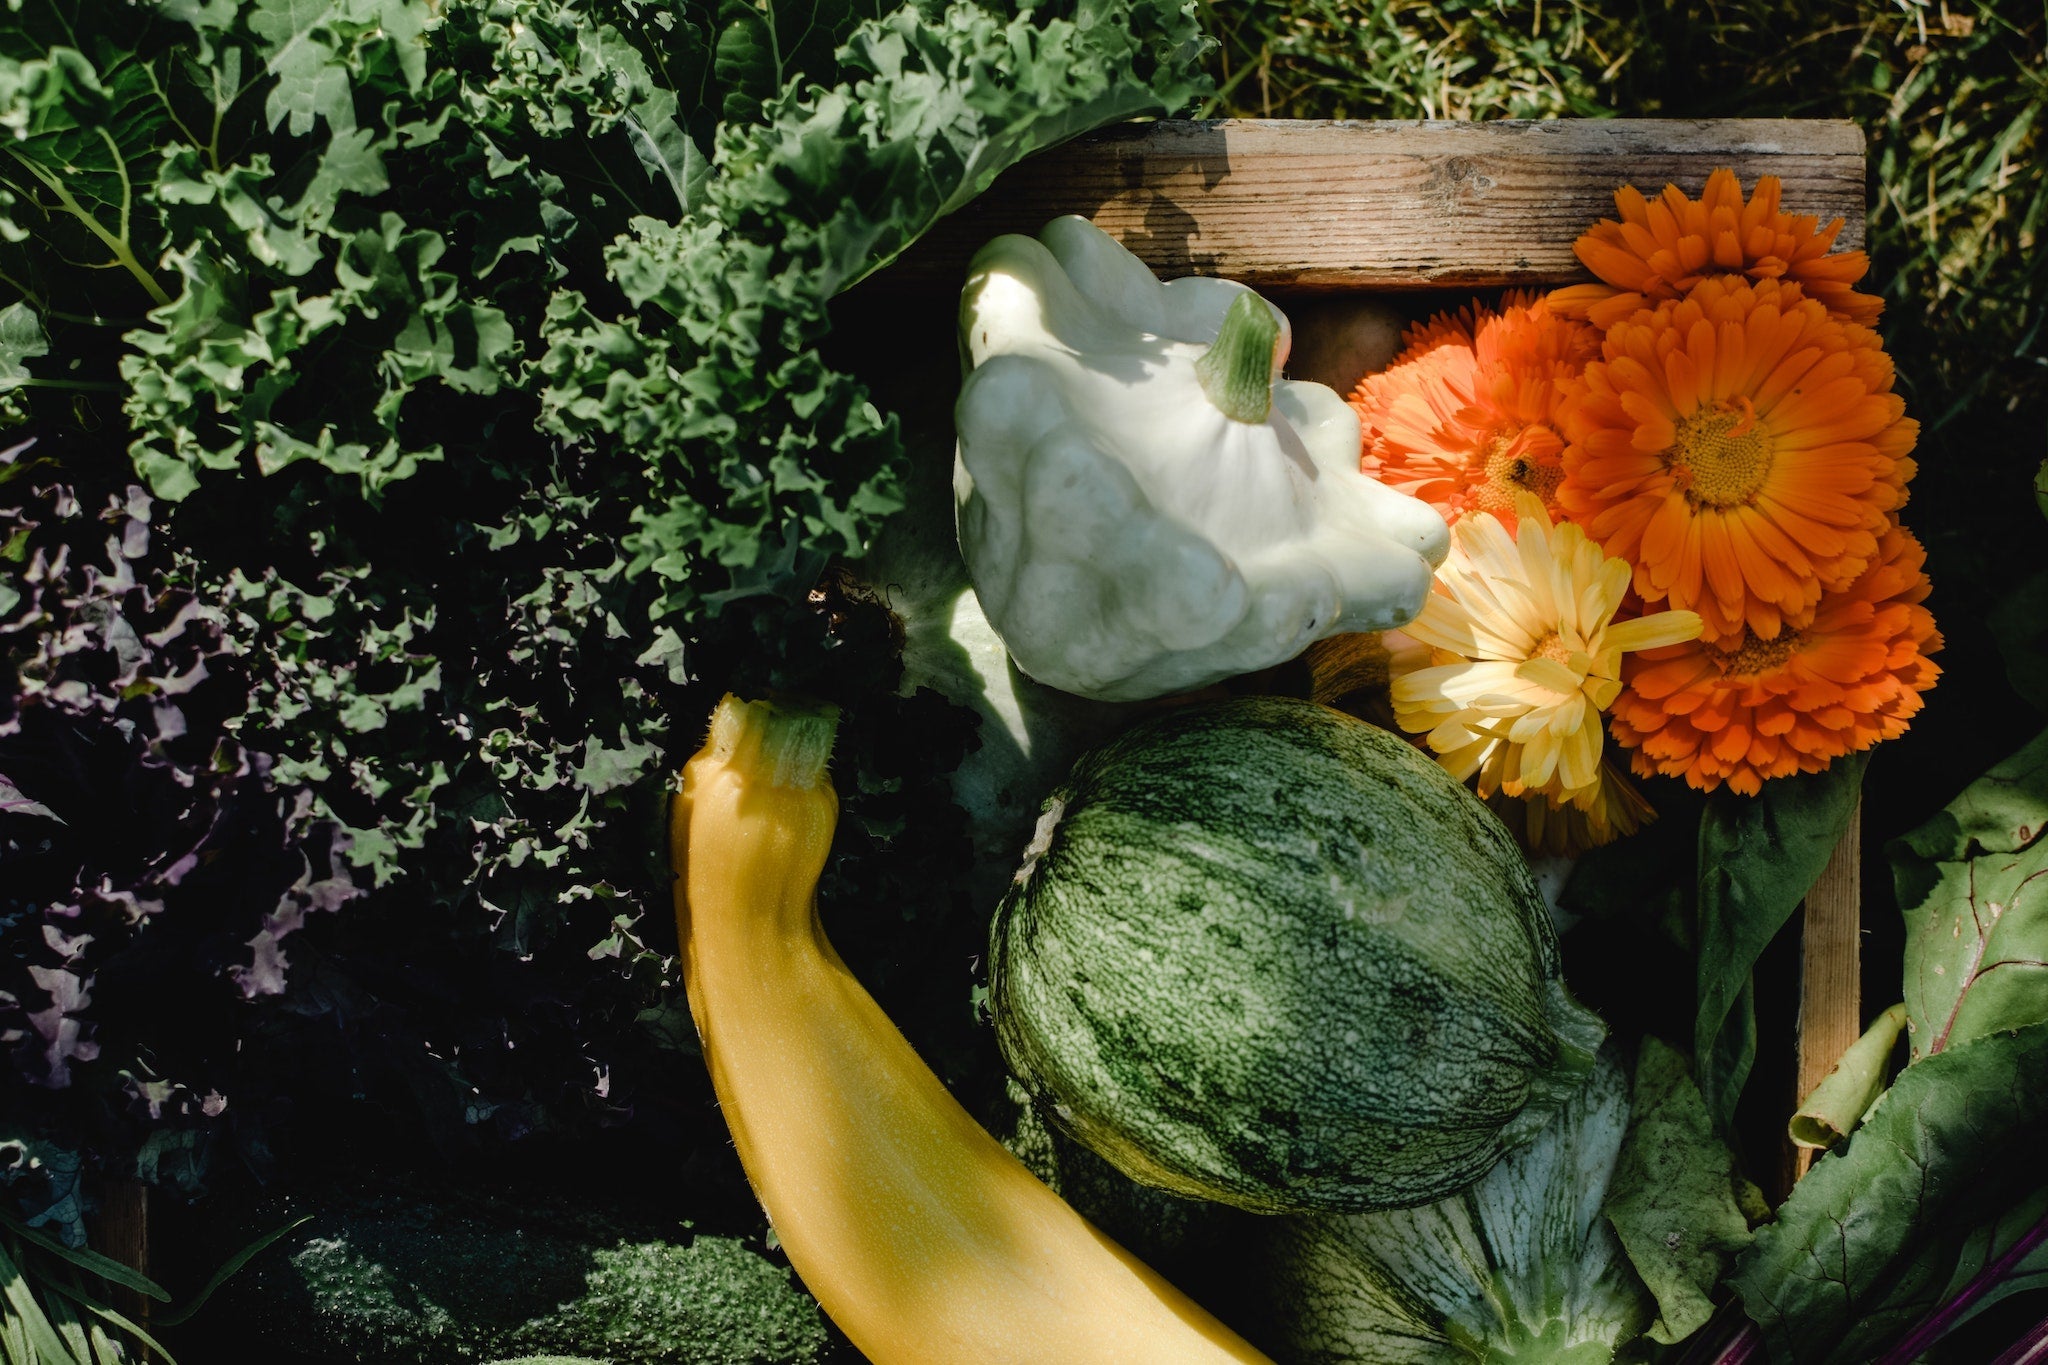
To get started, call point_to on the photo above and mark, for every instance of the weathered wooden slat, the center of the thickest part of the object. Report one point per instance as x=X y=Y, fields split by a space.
x=1830 y=969
x=1307 y=204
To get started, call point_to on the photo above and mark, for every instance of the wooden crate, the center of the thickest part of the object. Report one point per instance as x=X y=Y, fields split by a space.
x=1391 y=207
x=1302 y=204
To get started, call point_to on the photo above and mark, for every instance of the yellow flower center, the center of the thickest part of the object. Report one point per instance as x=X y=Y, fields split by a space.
x=1756 y=656
x=1553 y=648
x=1722 y=454
x=1508 y=472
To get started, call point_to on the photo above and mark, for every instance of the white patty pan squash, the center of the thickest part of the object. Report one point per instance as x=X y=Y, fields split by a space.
x=1144 y=506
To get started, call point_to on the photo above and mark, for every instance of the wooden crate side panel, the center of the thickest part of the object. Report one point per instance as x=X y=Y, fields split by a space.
x=1296 y=204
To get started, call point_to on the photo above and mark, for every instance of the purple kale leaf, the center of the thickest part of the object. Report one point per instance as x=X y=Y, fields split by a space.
x=149 y=861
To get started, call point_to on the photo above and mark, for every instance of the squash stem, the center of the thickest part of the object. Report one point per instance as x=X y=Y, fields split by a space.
x=1237 y=371
x=788 y=742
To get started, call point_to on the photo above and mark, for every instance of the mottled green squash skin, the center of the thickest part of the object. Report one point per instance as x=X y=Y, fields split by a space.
x=1265 y=953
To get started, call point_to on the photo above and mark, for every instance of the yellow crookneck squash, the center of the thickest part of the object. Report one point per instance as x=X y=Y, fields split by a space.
x=918 y=1233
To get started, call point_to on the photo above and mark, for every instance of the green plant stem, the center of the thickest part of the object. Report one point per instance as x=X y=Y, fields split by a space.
x=37 y=1335
x=81 y=385
x=1936 y=1325
x=120 y=1322
x=124 y=255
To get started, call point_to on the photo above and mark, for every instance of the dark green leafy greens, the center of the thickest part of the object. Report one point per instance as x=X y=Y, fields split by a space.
x=1868 y=1241
x=1672 y=1199
x=1709 y=886
x=1757 y=856
x=469 y=359
x=2007 y=1256
x=1907 y=1223
x=156 y=843
x=731 y=302
x=2021 y=625
x=405 y=1273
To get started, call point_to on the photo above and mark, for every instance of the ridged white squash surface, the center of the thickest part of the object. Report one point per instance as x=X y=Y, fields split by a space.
x=1128 y=539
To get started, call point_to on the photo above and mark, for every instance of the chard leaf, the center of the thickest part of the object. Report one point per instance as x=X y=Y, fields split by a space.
x=1672 y=1201
x=1757 y=857
x=1983 y=1249
x=1973 y=882
x=1865 y=1244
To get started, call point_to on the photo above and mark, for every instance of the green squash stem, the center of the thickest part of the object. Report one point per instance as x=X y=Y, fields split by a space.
x=1237 y=370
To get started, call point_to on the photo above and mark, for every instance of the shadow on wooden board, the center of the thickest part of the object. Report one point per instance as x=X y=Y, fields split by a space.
x=1306 y=204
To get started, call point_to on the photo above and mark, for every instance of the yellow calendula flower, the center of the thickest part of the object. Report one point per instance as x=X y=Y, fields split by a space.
x=1526 y=654
x=1564 y=829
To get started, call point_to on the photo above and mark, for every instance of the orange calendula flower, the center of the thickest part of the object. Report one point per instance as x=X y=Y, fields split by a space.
x=1465 y=417
x=1742 y=449
x=1662 y=247
x=1745 y=710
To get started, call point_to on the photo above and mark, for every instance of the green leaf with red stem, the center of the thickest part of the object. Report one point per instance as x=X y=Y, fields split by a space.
x=1999 y=1260
x=1867 y=1244
x=1973 y=883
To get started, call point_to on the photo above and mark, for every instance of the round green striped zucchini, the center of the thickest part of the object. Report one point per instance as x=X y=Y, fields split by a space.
x=1265 y=953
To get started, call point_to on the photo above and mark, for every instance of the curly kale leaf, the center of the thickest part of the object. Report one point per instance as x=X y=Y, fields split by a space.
x=762 y=459
x=146 y=855
x=685 y=352
x=21 y=340
x=487 y=417
x=293 y=190
x=289 y=271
